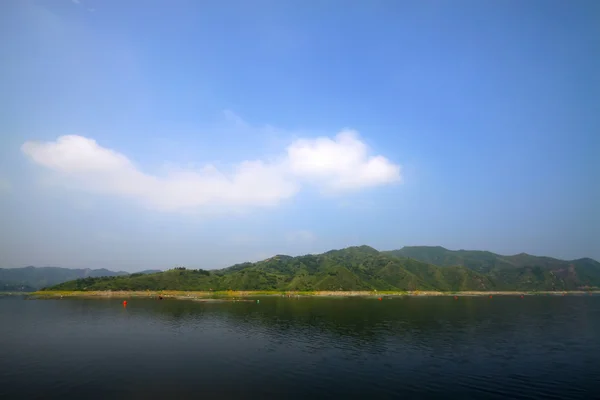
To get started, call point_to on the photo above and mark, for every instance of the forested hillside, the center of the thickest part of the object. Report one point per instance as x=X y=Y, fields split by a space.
x=364 y=268
x=33 y=278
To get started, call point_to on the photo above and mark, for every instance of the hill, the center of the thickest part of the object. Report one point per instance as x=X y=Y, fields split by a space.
x=32 y=278
x=364 y=268
x=518 y=272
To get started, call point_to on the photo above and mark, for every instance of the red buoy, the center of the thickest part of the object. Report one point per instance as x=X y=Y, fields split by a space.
x=379 y=299
x=124 y=303
x=490 y=296
x=521 y=296
x=455 y=298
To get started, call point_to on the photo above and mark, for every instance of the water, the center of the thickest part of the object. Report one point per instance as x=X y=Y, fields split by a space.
x=532 y=348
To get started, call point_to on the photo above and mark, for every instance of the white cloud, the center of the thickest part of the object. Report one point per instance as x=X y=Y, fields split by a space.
x=85 y=163
x=340 y=163
x=76 y=1
x=337 y=165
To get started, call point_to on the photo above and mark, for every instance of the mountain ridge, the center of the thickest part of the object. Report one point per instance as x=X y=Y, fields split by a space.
x=365 y=268
x=483 y=251
x=31 y=278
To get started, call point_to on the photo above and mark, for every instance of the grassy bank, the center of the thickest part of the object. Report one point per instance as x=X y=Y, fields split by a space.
x=237 y=294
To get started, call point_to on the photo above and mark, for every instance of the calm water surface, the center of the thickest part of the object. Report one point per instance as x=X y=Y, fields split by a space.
x=532 y=348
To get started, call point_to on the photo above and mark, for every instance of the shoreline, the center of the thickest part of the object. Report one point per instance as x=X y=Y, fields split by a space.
x=192 y=295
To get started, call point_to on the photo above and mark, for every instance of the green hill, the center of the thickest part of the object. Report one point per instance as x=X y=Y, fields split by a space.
x=29 y=279
x=480 y=261
x=518 y=272
x=364 y=268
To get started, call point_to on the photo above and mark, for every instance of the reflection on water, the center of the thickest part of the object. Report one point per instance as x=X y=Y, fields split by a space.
x=537 y=347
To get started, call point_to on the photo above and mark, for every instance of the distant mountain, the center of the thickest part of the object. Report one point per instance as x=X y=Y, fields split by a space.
x=516 y=271
x=33 y=278
x=365 y=268
x=480 y=261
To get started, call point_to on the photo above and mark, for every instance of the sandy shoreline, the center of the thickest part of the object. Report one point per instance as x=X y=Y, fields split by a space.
x=192 y=295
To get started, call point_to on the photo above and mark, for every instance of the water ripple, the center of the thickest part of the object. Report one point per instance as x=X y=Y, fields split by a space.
x=301 y=348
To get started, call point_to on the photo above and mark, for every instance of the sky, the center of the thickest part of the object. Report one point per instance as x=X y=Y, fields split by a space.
x=153 y=134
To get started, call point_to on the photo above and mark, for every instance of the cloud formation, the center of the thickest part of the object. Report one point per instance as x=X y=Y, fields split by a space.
x=334 y=165
x=341 y=163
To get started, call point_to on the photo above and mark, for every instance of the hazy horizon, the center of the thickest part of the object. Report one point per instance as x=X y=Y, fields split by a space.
x=145 y=137
x=273 y=255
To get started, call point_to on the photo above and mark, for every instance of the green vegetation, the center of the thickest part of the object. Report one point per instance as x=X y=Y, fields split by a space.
x=363 y=269
x=29 y=279
x=518 y=272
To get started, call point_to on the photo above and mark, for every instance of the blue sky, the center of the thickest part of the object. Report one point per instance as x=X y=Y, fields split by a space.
x=151 y=134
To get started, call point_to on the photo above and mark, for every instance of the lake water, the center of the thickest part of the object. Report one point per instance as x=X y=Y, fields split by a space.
x=536 y=347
